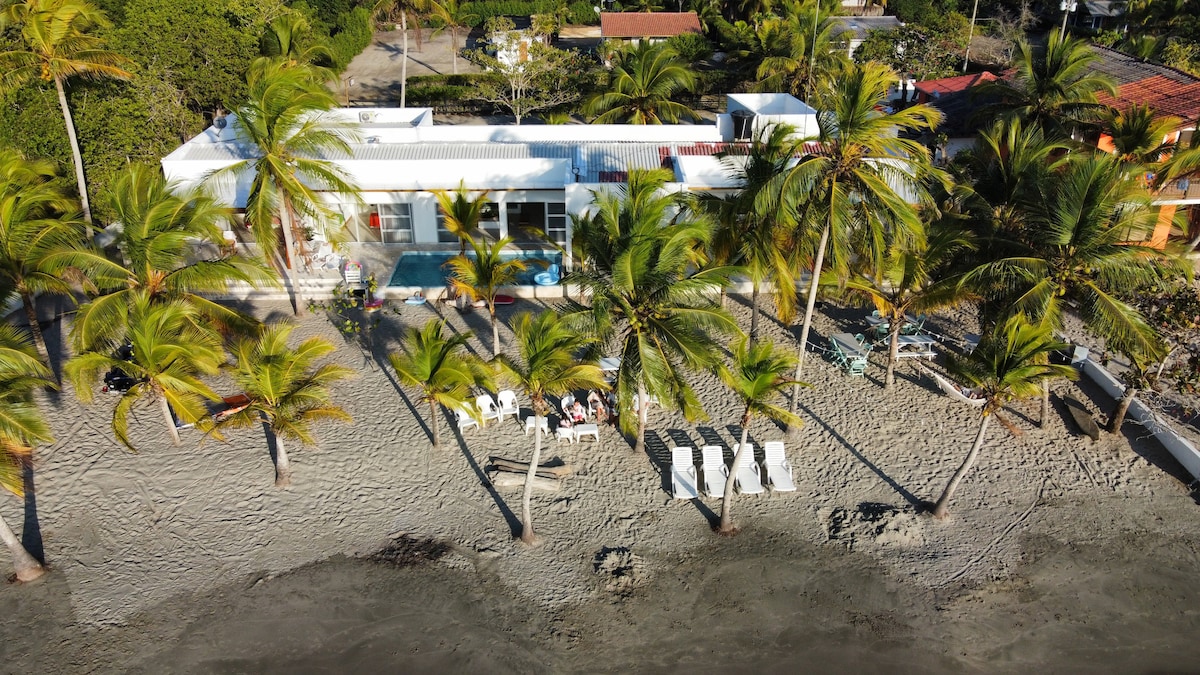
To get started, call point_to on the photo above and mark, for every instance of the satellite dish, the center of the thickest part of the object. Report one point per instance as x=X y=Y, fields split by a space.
x=220 y=122
x=596 y=8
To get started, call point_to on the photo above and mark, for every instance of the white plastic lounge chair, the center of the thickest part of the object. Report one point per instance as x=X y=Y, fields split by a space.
x=487 y=407
x=715 y=471
x=566 y=404
x=748 y=480
x=353 y=274
x=508 y=403
x=465 y=421
x=779 y=472
x=683 y=474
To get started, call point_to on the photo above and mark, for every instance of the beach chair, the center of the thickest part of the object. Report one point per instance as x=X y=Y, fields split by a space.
x=748 y=479
x=353 y=274
x=914 y=327
x=712 y=460
x=487 y=408
x=508 y=403
x=856 y=367
x=683 y=474
x=465 y=421
x=837 y=355
x=779 y=472
x=566 y=403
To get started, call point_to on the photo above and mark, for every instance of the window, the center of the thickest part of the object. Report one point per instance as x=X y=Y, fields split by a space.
x=489 y=220
x=444 y=236
x=395 y=223
x=556 y=222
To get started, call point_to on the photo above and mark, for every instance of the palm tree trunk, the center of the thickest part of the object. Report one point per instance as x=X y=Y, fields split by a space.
x=1118 y=416
x=893 y=352
x=495 y=329
x=1044 y=413
x=27 y=567
x=941 y=509
x=527 y=533
x=283 y=467
x=753 y=312
x=808 y=313
x=35 y=327
x=640 y=445
x=76 y=155
x=727 y=496
x=404 y=61
x=433 y=421
x=170 y=419
x=454 y=48
x=286 y=222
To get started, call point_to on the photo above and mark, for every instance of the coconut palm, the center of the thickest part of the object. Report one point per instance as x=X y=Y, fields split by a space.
x=40 y=235
x=482 y=275
x=758 y=376
x=441 y=367
x=649 y=296
x=641 y=85
x=169 y=349
x=21 y=427
x=1139 y=137
x=912 y=278
x=288 y=389
x=1009 y=364
x=1055 y=89
x=161 y=224
x=58 y=46
x=800 y=54
x=287 y=124
x=847 y=189
x=456 y=17
x=289 y=43
x=549 y=366
x=1138 y=378
x=461 y=213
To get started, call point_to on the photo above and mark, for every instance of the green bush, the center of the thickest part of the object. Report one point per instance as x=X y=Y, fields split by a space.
x=691 y=47
x=487 y=9
x=582 y=13
x=353 y=34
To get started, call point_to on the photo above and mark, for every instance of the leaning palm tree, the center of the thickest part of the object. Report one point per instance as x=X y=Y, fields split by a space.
x=388 y=10
x=441 y=367
x=456 y=17
x=41 y=236
x=288 y=389
x=548 y=366
x=461 y=213
x=21 y=427
x=650 y=297
x=286 y=123
x=161 y=223
x=481 y=276
x=169 y=349
x=847 y=190
x=758 y=376
x=57 y=46
x=641 y=86
x=1009 y=364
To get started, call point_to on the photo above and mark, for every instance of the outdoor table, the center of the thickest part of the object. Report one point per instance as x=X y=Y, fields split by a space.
x=848 y=345
x=915 y=346
x=537 y=422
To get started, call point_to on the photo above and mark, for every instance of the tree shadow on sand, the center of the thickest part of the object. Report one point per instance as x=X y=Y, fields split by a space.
x=514 y=523
x=900 y=489
x=660 y=455
x=31 y=529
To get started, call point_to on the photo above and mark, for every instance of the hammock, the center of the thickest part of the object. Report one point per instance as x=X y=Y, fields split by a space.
x=952 y=390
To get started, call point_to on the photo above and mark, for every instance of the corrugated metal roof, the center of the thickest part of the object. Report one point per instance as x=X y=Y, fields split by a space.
x=604 y=160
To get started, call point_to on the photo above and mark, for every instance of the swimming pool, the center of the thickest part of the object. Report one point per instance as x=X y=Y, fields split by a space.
x=425 y=268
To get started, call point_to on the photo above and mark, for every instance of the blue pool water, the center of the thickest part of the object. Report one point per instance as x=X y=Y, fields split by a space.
x=425 y=268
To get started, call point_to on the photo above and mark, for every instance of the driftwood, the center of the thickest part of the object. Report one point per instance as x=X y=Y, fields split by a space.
x=553 y=471
x=504 y=479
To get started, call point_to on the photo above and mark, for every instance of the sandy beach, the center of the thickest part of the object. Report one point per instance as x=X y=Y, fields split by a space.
x=1061 y=554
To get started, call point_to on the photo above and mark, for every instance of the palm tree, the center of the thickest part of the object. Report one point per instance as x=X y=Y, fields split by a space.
x=758 y=377
x=455 y=16
x=58 y=46
x=752 y=237
x=169 y=348
x=1009 y=364
x=912 y=278
x=482 y=275
x=441 y=367
x=640 y=88
x=845 y=189
x=1055 y=89
x=161 y=223
x=649 y=295
x=461 y=213
x=289 y=43
x=286 y=122
x=40 y=235
x=548 y=366
x=387 y=10
x=21 y=427
x=1139 y=137
x=287 y=388
x=800 y=54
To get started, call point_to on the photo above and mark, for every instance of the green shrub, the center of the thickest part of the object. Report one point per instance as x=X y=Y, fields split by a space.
x=354 y=33
x=692 y=47
x=487 y=9
x=582 y=13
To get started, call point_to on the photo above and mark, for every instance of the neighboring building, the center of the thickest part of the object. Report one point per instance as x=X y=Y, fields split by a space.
x=1102 y=15
x=954 y=98
x=855 y=29
x=633 y=27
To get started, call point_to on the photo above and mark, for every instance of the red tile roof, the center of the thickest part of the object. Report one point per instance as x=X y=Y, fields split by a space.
x=1165 y=96
x=647 y=24
x=951 y=85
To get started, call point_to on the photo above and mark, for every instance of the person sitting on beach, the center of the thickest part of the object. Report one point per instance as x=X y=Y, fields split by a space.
x=565 y=423
x=578 y=414
x=596 y=403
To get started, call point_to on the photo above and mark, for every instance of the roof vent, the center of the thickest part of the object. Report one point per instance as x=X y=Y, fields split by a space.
x=367 y=116
x=220 y=122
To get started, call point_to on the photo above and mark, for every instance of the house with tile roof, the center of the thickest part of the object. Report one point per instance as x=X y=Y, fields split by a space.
x=652 y=26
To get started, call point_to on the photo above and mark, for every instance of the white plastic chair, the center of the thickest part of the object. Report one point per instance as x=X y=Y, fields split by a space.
x=508 y=403
x=353 y=274
x=683 y=474
x=487 y=408
x=779 y=472
x=566 y=404
x=715 y=471
x=465 y=421
x=748 y=479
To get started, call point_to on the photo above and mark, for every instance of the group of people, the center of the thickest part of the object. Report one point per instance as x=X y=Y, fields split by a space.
x=603 y=407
